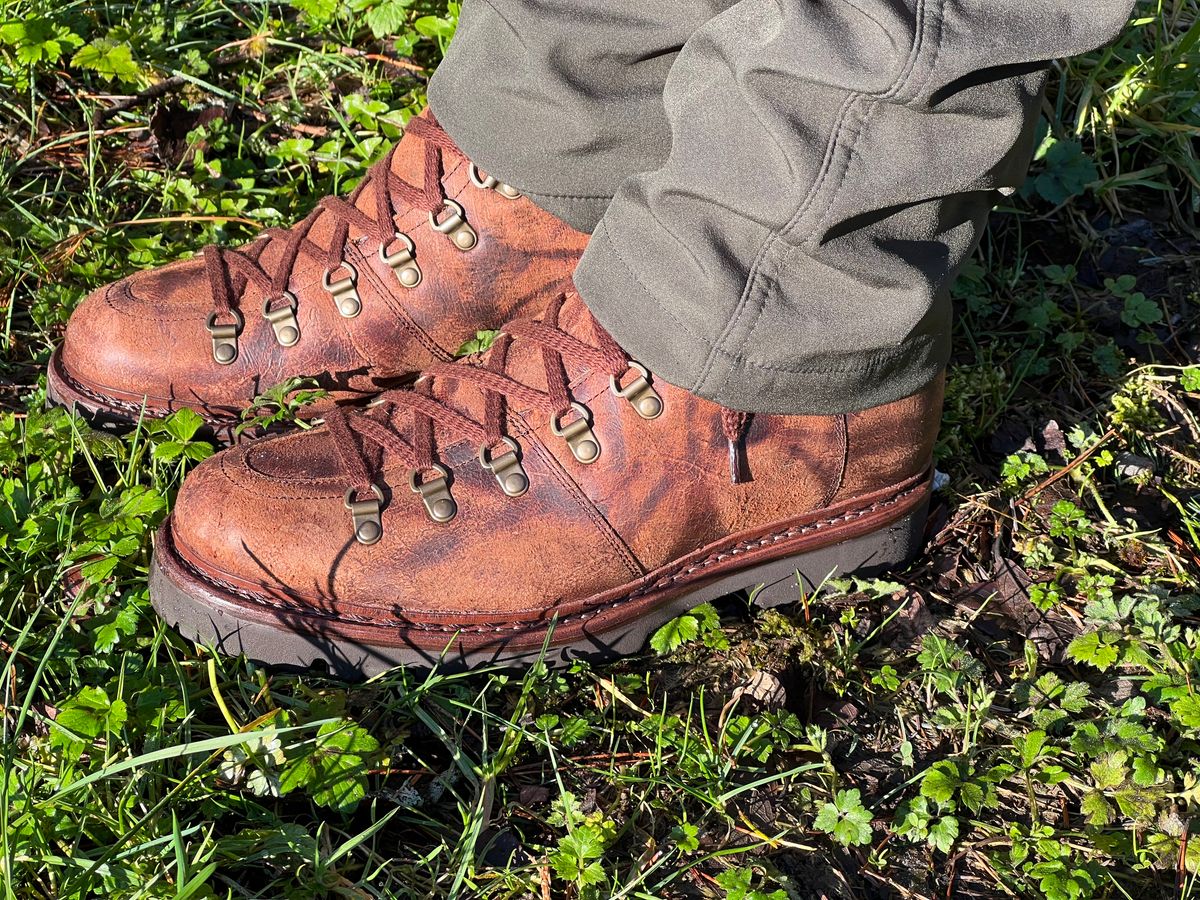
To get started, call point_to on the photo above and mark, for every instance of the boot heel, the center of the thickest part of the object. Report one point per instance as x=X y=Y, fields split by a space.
x=873 y=554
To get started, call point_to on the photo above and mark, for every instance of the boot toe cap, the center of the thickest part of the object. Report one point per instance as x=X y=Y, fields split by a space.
x=136 y=340
x=233 y=524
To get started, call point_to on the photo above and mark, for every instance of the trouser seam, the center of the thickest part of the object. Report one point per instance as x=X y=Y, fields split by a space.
x=935 y=13
x=870 y=102
x=665 y=307
x=503 y=18
x=873 y=360
x=752 y=278
x=930 y=14
x=537 y=193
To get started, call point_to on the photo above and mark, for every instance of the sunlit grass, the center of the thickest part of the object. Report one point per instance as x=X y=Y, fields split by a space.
x=1016 y=715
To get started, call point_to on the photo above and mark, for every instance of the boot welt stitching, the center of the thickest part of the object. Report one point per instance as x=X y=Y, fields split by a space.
x=126 y=405
x=151 y=410
x=665 y=581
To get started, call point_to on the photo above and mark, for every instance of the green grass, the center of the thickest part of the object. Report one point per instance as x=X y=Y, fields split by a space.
x=1015 y=716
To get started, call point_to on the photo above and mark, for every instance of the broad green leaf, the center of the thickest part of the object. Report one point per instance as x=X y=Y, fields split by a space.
x=183 y=424
x=1140 y=311
x=388 y=17
x=1068 y=172
x=1094 y=648
x=435 y=27
x=1110 y=771
x=318 y=12
x=109 y=60
x=88 y=714
x=972 y=796
x=941 y=782
x=167 y=451
x=1074 y=697
x=943 y=833
x=575 y=857
x=99 y=569
x=674 y=634
x=482 y=341
x=1096 y=810
x=334 y=772
x=139 y=501
x=1187 y=711
x=686 y=837
x=1146 y=771
x=1030 y=748
x=846 y=819
x=37 y=39
x=123 y=622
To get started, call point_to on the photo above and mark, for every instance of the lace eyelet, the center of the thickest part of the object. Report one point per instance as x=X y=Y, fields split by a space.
x=580 y=438
x=225 y=337
x=435 y=494
x=283 y=320
x=365 y=514
x=641 y=396
x=344 y=292
x=506 y=468
x=491 y=183
x=403 y=262
x=455 y=227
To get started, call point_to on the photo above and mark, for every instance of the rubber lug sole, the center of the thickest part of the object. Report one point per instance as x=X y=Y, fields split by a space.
x=200 y=612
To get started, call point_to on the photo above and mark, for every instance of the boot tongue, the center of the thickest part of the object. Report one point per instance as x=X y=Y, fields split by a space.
x=526 y=360
x=576 y=319
x=408 y=163
x=525 y=364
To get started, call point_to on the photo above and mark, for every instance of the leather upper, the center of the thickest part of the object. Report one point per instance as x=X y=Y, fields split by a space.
x=145 y=337
x=268 y=521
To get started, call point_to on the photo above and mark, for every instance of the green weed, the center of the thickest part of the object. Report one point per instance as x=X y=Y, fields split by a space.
x=1017 y=715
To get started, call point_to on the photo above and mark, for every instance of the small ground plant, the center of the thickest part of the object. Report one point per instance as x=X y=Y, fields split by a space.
x=1018 y=715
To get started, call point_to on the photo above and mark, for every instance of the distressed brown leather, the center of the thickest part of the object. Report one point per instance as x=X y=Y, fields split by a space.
x=265 y=524
x=143 y=341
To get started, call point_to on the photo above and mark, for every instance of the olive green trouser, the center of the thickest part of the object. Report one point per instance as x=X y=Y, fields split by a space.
x=780 y=192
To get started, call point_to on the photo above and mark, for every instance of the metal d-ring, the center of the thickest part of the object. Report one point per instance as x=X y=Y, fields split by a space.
x=455 y=226
x=368 y=523
x=404 y=261
x=283 y=320
x=641 y=396
x=580 y=438
x=345 y=291
x=435 y=493
x=506 y=468
x=225 y=337
x=491 y=183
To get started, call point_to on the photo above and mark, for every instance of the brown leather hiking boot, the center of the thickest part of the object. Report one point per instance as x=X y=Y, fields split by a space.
x=553 y=484
x=366 y=290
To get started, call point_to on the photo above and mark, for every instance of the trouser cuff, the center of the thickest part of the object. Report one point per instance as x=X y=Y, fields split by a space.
x=830 y=384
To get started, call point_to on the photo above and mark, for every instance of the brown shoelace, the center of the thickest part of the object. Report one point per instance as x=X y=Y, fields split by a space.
x=354 y=433
x=231 y=271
